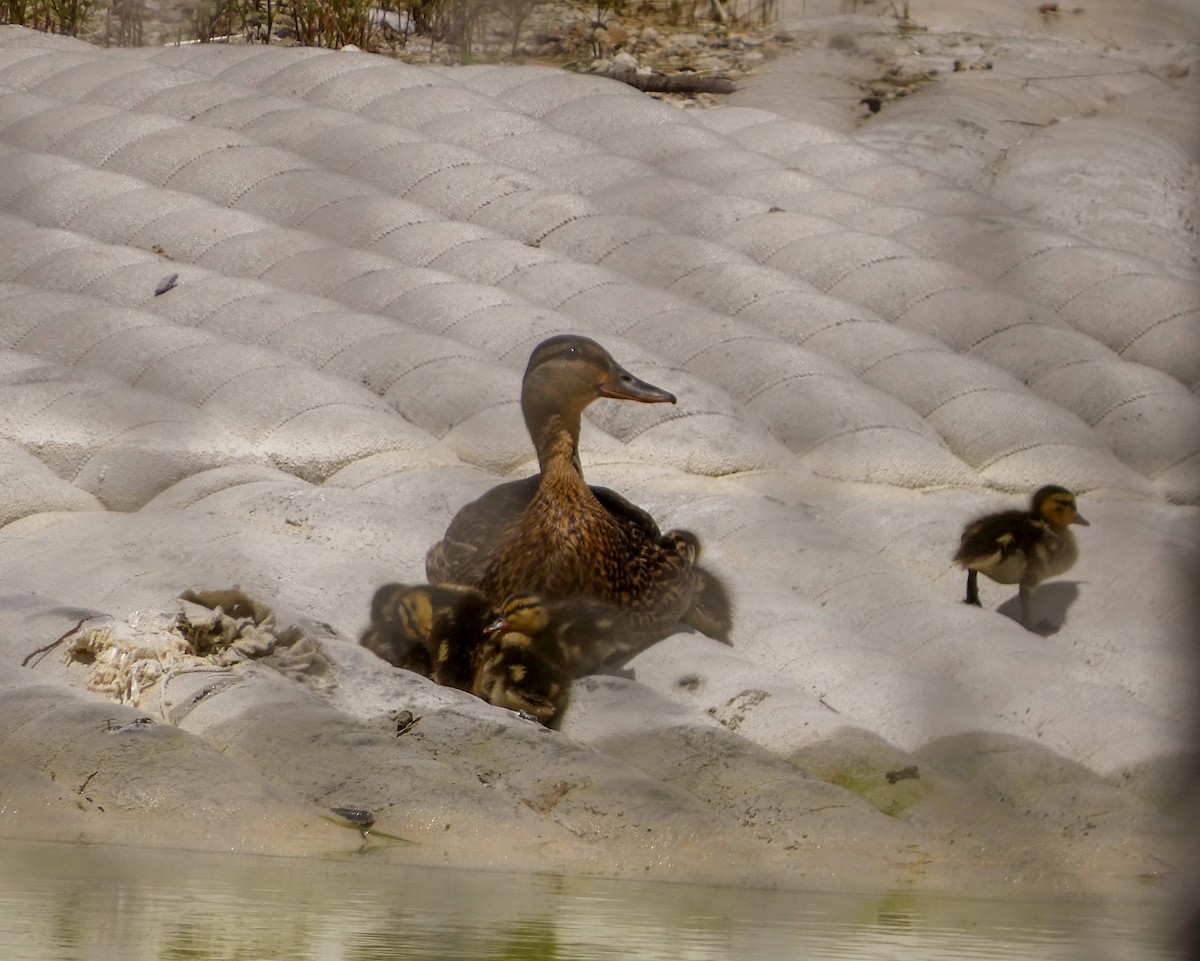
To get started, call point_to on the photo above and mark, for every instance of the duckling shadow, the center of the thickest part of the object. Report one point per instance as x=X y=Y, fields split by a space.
x=1050 y=604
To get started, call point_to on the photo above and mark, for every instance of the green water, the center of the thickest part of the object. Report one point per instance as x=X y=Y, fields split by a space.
x=94 y=903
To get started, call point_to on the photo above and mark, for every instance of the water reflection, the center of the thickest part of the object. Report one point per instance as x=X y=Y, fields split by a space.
x=70 y=903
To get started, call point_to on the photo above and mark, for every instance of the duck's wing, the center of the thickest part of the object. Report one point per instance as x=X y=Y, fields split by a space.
x=996 y=537
x=463 y=554
x=477 y=530
x=626 y=512
x=711 y=611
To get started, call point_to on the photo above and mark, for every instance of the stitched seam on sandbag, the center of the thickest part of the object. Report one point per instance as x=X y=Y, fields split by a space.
x=1158 y=323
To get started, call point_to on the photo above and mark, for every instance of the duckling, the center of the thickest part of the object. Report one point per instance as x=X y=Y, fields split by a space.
x=1022 y=547
x=459 y=640
x=523 y=666
x=554 y=534
x=516 y=677
x=402 y=619
x=577 y=634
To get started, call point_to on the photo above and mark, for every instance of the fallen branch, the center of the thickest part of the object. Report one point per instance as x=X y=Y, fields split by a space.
x=669 y=83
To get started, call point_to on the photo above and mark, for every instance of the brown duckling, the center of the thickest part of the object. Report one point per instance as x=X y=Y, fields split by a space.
x=459 y=640
x=1022 y=547
x=578 y=634
x=524 y=666
x=402 y=619
x=554 y=534
x=514 y=676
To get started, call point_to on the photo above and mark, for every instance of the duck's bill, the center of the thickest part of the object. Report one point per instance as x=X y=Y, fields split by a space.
x=499 y=624
x=1080 y=519
x=622 y=385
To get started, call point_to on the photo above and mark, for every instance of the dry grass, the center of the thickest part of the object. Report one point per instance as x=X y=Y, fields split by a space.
x=371 y=25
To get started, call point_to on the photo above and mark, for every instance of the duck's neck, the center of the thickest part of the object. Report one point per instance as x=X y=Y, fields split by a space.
x=556 y=438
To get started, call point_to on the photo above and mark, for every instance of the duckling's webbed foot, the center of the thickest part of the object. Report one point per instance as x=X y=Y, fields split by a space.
x=973 y=588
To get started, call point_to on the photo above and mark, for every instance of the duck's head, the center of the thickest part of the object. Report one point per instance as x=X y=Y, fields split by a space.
x=525 y=613
x=415 y=611
x=568 y=372
x=1056 y=505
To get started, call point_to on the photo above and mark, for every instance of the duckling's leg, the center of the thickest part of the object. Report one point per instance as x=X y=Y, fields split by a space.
x=1025 y=592
x=973 y=588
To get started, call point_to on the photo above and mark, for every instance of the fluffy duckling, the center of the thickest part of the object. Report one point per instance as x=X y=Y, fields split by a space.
x=514 y=676
x=460 y=639
x=523 y=666
x=554 y=534
x=578 y=634
x=1022 y=547
x=402 y=619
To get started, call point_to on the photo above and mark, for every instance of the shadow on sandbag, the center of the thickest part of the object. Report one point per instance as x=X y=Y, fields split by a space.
x=1050 y=604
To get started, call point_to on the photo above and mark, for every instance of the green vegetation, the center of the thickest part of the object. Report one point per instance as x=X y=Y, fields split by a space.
x=53 y=16
x=867 y=783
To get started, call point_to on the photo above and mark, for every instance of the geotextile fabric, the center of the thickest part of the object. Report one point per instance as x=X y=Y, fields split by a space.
x=263 y=317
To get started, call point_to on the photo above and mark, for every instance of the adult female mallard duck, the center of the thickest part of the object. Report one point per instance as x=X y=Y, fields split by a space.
x=552 y=533
x=1022 y=547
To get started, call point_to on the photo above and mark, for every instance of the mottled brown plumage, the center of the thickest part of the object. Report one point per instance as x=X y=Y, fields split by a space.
x=554 y=534
x=1022 y=547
